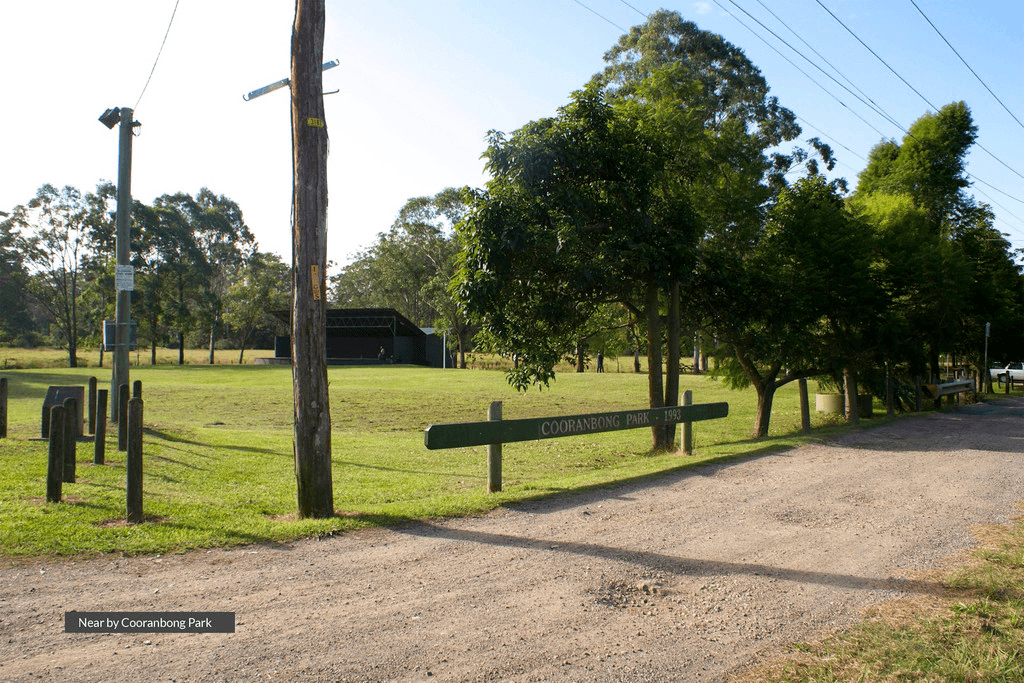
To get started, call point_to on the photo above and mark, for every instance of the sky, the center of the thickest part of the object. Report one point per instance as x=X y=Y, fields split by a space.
x=421 y=84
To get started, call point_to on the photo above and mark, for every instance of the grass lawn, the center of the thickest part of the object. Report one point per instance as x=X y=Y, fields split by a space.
x=219 y=468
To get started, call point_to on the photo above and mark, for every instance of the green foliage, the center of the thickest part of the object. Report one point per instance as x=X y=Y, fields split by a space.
x=943 y=267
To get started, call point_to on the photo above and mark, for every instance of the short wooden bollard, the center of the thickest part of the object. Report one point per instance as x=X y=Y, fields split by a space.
x=99 y=439
x=55 y=462
x=92 y=405
x=687 y=440
x=494 y=452
x=805 y=407
x=133 y=466
x=122 y=418
x=70 y=438
x=3 y=407
x=137 y=389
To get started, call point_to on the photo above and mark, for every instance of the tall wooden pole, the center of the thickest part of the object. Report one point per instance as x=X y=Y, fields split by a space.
x=315 y=491
x=122 y=303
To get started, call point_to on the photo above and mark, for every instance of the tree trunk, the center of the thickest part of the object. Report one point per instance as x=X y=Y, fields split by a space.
x=213 y=336
x=241 y=351
x=850 y=389
x=181 y=348
x=315 y=493
x=765 y=397
x=580 y=354
x=655 y=387
x=674 y=357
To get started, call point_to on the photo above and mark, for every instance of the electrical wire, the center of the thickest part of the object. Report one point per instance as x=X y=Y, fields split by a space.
x=158 y=53
x=905 y=82
x=930 y=23
x=601 y=15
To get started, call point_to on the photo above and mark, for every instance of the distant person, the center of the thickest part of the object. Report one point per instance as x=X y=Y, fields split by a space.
x=600 y=361
x=380 y=355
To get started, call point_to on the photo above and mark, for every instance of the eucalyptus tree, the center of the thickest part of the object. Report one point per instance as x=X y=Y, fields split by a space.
x=16 y=327
x=55 y=244
x=222 y=241
x=263 y=285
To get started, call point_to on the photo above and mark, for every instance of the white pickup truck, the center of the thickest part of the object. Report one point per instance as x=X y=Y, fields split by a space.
x=1001 y=372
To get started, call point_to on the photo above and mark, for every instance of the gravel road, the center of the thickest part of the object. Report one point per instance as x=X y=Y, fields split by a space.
x=684 y=578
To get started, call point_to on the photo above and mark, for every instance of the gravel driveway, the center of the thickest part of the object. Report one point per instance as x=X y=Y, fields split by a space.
x=683 y=578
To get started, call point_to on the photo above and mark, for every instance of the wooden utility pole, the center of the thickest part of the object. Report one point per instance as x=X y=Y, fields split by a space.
x=309 y=257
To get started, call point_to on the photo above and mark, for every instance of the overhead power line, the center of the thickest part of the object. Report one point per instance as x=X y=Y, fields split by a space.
x=930 y=23
x=592 y=11
x=158 y=53
x=907 y=83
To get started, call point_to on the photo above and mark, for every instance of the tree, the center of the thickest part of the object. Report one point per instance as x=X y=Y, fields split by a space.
x=15 y=319
x=581 y=210
x=55 y=249
x=217 y=243
x=315 y=492
x=797 y=301
x=262 y=286
x=923 y=179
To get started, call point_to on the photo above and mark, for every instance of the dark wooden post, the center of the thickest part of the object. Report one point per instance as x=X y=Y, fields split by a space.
x=137 y=389
x=494 y=452
x=99 y=438
x=55 y=462
x=92 y=405
x=805 y=407
x=133 y=465
x=122 y=423
x=312 y=425
x=70 y=438
x=1009 y=380
x=3 y=407
x=687 y=440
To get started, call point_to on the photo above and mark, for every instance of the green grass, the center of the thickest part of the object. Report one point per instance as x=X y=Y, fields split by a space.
x=971 y=629
x=218 y=453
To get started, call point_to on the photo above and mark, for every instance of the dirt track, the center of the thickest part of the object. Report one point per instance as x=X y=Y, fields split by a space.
x=685 y=578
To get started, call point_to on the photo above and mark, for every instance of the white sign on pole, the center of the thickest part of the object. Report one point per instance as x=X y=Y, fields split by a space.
x=124 y=278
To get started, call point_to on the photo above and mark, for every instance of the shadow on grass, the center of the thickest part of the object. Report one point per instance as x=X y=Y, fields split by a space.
x=173 y=438
x=360 y=465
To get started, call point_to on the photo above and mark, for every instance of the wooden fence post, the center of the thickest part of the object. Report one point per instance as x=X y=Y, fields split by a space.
x=3 y=407
x=92 y=405
x=494 y=452
x=133 y=465
x=70 y=438
x=805 y=407
x=122 y=419
x=99 y=438
x=55 y=462
x=137 y=389
x=687 y=426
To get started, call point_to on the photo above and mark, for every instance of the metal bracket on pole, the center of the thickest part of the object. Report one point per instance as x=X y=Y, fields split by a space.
x=284 y=82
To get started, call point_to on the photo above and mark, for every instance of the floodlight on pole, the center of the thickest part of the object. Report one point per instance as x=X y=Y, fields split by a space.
x=284 y=82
